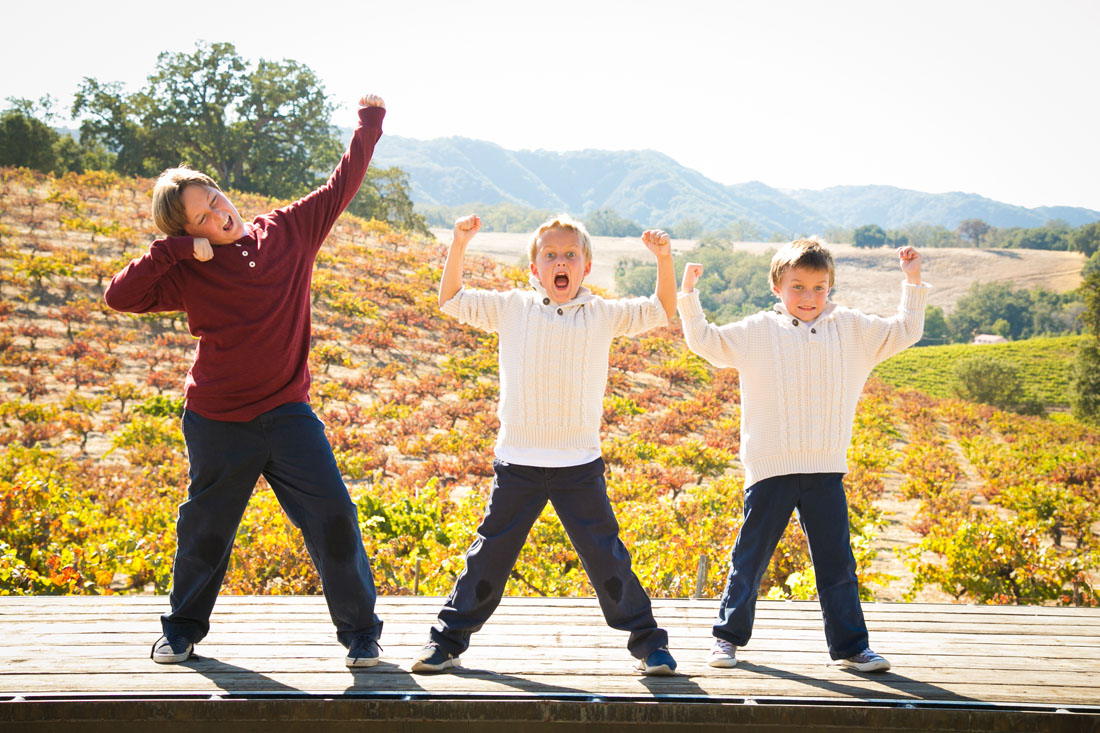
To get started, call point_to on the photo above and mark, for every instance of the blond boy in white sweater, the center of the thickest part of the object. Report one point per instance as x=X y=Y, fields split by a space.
x=554 y=344
x=802 y=367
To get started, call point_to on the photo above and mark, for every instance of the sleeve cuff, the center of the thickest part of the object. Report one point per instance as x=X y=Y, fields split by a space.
x=688 y=304
x=914 y=297
x=452 y=306
x=660 y=318
x=371 y=117
x=177 y=248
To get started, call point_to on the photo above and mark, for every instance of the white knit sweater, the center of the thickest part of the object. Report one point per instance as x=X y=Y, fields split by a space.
x=553 y=360
x=800 y=382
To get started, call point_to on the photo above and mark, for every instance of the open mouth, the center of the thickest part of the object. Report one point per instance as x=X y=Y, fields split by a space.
x=561 y=282
x=228 y=224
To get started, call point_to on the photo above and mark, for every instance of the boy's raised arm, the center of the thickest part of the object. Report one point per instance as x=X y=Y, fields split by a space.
x=722 y=346
x=451 y=281
x=317 y=211
x=660 y=245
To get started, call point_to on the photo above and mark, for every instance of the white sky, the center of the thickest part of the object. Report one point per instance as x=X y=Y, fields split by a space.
x=1000 y=98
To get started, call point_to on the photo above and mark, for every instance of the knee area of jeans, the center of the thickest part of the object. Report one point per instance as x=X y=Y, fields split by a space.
x=207 y=548
x=341 y=538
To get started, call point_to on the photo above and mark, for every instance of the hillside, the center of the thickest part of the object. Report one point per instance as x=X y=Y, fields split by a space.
x=866 y=279
x=1044 y=365
x=92 y=465
x=654 y=190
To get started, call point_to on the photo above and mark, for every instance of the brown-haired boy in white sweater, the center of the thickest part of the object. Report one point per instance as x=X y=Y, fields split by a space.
x=554 y=344
x=802 y=367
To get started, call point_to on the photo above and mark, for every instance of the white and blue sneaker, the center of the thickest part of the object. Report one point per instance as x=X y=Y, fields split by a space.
x=659 y=662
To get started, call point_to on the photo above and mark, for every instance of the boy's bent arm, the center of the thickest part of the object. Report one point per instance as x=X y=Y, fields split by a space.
x=149 y=283
x=722 y=346
x=888 y=336
x=884 y=337
x=451 y=281
x=480 y=308
x=659 y=243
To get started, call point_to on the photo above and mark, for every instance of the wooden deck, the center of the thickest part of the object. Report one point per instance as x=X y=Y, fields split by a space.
x=980 y=659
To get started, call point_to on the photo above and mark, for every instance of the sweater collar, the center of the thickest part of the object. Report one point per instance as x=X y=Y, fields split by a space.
x=825 y=312
x=584 y=295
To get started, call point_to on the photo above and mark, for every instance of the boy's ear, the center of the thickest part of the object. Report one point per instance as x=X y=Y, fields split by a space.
x=587 y=267
x=775 y=289
x=534 y=269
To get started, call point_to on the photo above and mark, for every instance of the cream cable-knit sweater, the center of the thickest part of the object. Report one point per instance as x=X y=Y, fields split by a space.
x=553 y=359
x=800 y=382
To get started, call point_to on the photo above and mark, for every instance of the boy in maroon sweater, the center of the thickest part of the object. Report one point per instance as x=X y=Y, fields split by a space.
x=245 y=287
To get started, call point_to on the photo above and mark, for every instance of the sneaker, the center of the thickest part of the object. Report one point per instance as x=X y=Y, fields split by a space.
x=659 y=662
x=363 y=652
x=171 y=650
x=722 y=654
x=866 y=661
x=434 y=658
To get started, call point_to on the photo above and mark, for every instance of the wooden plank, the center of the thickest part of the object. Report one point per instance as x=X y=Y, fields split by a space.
x=856 y=688
x=940 y=652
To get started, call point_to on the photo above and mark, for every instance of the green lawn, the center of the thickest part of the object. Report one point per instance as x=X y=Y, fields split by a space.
x=1044 y=363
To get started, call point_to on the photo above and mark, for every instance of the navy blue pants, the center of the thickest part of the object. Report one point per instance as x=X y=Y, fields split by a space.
x=579 y=496
x=823 y=513
x=288 y=447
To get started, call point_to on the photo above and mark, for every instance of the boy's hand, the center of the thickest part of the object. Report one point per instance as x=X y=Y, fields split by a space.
x=203 y=250
x=910 y=264
x=371 y=100
x=657 y=242
x=692 y=272
x=465 y=229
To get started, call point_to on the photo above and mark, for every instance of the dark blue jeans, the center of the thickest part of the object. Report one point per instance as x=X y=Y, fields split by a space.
x=288 y=447
x=823 y=513
x=579 y=496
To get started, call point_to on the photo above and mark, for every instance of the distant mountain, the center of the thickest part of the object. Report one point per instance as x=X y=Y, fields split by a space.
x=892 y=207
x=653 y=189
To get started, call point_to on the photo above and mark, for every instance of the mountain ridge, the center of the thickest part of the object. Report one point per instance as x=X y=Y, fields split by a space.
x=652 y=188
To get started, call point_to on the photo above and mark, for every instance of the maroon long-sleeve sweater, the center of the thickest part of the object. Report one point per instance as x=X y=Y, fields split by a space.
x=249 y=306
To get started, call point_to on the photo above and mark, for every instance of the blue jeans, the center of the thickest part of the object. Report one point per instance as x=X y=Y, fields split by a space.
x=823 y=513
x=288 y=447
x=579 y=496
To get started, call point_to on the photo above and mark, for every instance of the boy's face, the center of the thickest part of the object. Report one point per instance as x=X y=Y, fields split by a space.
x=560 y=264
x=210 y=214
x=804 y=292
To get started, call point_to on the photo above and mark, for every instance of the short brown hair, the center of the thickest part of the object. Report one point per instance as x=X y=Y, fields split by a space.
x=809 y=253
x=168 y=213
x=562 y=221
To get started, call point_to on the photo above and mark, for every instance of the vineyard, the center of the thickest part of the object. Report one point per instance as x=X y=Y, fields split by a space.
x=1044 y=366
x=92 y=463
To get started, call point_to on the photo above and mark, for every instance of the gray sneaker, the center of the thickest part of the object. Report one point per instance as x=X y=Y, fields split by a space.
x=866 y=661
x=171 y=650
x=722 y=654
x=434 y=658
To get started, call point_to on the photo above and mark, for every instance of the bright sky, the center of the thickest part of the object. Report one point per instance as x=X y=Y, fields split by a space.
x=998 y=98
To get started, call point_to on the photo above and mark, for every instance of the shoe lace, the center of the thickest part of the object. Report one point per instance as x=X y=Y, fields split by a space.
x=725 y=647
x=366 y=641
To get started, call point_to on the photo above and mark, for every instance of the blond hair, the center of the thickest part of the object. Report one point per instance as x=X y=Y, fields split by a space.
x=568 y=223
x=168 y=213
x=808 y=253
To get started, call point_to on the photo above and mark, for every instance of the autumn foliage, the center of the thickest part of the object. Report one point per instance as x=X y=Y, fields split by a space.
x=92 y=461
